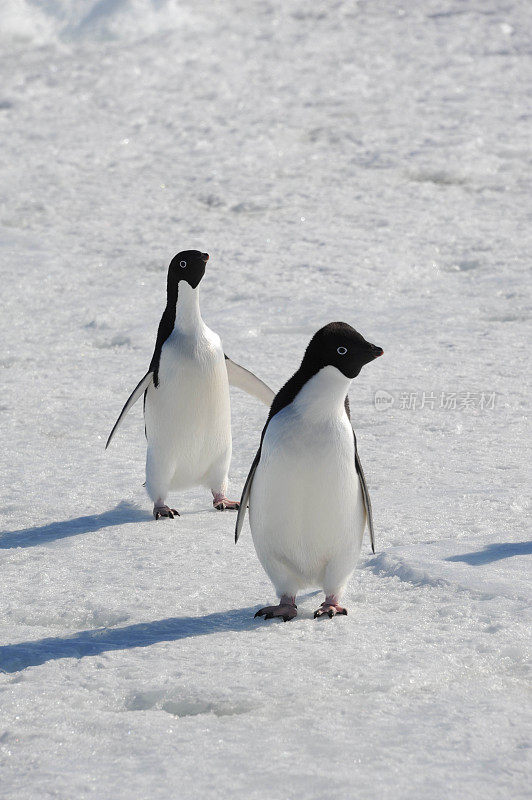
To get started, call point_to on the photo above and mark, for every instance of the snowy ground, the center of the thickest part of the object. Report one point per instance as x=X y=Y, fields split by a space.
x=363 y=161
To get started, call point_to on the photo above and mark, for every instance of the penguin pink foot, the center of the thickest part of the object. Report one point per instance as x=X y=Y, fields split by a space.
x=286 y=609
x=165 y=511
x=221 y=503
x=329 y=607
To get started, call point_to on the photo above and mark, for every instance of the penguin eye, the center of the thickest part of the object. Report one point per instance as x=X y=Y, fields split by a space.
x=182 y=264
x=342 y=351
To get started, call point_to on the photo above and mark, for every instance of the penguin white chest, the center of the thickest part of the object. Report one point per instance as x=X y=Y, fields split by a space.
x=188 y=418
x=306 y=506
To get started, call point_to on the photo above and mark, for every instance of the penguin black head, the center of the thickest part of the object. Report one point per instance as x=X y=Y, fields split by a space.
x=189 y=266
x=341 y=346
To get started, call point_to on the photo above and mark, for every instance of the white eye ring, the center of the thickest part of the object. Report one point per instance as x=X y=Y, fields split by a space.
x=342 y=351
x=182 y=263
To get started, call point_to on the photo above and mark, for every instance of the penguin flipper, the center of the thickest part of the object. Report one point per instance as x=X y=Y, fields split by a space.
x=365 y=495
x=245 y=496
x=244 y=379
x=362 y=479
x=139 y=389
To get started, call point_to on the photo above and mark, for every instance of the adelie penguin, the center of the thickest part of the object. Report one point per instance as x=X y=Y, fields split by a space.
x=186 y=395
x=307 y=495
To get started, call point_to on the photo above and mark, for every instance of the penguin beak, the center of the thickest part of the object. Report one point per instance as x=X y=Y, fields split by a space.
x=205 y=257
x=376 y=351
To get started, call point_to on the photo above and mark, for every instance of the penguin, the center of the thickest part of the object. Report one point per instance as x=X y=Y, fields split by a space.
x=306 y=490
x=186 y=396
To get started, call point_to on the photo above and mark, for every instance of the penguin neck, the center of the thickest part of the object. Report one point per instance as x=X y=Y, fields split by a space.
x=323 y=395
x=187 y=309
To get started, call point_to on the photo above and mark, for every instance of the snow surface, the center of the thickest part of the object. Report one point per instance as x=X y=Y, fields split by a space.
x=362 y=161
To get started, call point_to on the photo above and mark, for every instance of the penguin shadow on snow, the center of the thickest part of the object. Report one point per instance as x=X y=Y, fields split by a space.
x=494 y=552
x=16 y=657
x=144 y=634
x=124 y=513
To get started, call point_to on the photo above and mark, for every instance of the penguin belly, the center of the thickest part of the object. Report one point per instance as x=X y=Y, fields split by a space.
x=188 y=416
x=306 y=507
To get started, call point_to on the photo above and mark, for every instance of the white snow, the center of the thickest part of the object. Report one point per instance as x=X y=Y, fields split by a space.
x=360 y=161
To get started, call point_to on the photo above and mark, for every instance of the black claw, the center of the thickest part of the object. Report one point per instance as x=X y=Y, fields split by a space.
x=169 y=513
x=331 y=613
x=344 y=611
